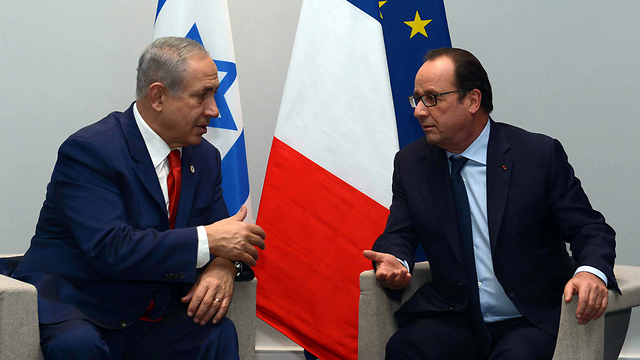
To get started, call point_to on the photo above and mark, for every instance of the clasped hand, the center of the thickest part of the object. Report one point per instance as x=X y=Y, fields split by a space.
x=234 y=239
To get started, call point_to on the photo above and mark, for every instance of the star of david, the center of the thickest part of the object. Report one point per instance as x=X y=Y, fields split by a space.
x=225 y=120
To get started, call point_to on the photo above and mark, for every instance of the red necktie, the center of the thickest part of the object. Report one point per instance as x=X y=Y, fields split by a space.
x=173 y=184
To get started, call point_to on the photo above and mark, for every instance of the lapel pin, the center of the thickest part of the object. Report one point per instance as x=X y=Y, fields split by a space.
x=193 y=169
x=503 y=167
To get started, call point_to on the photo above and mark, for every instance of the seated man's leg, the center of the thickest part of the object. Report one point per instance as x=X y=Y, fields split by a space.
x=434 y=339
x=519 y=339
x=176 y=336
x=73 y=339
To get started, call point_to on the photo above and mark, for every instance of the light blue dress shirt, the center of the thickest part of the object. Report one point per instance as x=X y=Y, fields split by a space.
x=494 y=302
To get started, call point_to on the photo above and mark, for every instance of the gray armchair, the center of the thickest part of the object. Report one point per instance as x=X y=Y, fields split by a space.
x=20 y=336
x=599 y=339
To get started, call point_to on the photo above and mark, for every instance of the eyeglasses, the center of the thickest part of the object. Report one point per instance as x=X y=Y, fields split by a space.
x=429 y=99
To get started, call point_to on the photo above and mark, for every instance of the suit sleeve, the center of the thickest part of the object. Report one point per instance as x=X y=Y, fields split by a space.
x=591 y=239
x=91 y=205
x=399 y=237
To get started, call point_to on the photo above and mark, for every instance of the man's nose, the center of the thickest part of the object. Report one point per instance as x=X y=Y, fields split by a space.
x=420 y=110
x=211 y=109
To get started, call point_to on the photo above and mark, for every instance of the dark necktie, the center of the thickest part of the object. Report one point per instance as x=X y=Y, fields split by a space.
x=174 y=180
x=463 y=213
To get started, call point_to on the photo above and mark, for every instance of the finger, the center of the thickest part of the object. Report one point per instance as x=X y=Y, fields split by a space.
x=213 y=310
x=222 y=311
x=407 y=280
x=241 y=214
x=245 y=258
x=568 y=291
x=185 y=299
x=373 y=255
x=255 y=240
x=595 y=298
x=253 y=252
x=400 y=278
x=583 y=300
x=207 y=302
x=603 y=306
x=195 y=301
x=257 y=230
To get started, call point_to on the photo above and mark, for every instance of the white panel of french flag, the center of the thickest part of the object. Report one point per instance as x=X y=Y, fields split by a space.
x=328 y=184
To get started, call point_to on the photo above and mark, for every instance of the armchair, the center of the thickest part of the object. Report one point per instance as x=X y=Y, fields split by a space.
x=599 y=339
x=20 y=335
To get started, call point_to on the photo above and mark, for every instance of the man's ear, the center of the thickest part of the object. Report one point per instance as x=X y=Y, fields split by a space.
x=475 y=99
x=157 y=95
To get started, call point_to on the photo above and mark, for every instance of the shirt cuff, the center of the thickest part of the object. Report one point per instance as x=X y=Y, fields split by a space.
x=405 y=263
x=203 y=248
x=594 y=271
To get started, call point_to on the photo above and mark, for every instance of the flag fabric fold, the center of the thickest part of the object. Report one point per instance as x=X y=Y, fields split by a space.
x=327 y=189
x=207 y=22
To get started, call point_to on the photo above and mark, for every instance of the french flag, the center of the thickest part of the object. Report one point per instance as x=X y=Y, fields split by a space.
x=327 y=189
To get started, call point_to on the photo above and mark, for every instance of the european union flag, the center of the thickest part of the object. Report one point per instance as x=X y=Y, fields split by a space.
x=411 y=28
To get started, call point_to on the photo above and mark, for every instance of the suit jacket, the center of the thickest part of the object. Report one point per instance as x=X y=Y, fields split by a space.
x=535 y=204
x=102 y=248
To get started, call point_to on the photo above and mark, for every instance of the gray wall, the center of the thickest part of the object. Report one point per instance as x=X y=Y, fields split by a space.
x=567 y=69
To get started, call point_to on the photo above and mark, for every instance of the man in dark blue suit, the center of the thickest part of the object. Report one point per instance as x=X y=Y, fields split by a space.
x=493 y=206
x=118 y=275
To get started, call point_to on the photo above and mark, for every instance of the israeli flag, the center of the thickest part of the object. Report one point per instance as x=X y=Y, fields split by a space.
x=207 y=22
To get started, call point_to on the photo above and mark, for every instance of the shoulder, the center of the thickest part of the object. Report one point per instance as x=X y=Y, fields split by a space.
x=521 y=137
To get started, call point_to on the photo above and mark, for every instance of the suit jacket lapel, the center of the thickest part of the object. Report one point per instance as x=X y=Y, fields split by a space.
x=437 y=168
x=499 y=169
x=187 y=188
x=141 y=158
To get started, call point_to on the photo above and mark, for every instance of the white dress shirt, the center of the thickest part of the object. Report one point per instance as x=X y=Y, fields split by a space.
x=159 y=152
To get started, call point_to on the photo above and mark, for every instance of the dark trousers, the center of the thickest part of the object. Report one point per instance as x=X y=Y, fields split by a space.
x=453 y=338
x=176 y=336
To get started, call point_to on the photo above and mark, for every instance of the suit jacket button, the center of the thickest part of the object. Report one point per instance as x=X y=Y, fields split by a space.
x=155 y=294
x=167 y=277
x=123 y=324
x=181 y=276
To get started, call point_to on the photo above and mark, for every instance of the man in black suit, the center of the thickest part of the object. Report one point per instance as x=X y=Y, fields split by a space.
x=492 y=206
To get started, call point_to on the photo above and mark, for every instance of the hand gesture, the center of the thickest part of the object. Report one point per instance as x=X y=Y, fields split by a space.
x=233 y=239
x=390 y=272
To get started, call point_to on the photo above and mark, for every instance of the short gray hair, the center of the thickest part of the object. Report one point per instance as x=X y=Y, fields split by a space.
x=165 y=61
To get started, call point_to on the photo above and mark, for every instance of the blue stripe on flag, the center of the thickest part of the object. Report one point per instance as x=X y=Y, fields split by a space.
x=405 y=53
x=160 y=5
x=404 y=24
x=235 y=178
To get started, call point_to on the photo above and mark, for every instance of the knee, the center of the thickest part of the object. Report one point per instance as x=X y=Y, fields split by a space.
x=73 y=342
x=397 y=348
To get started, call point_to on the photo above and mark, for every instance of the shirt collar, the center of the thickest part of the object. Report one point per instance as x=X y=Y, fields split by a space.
x=158 y=149
x=477 y=151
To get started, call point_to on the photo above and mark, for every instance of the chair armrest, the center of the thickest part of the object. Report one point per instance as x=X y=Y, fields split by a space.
x=588 y=341
x=19 y=331
x=242 y=311
x=376 y=323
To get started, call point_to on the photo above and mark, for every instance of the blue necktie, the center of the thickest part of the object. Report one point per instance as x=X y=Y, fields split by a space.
x=463 y=213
